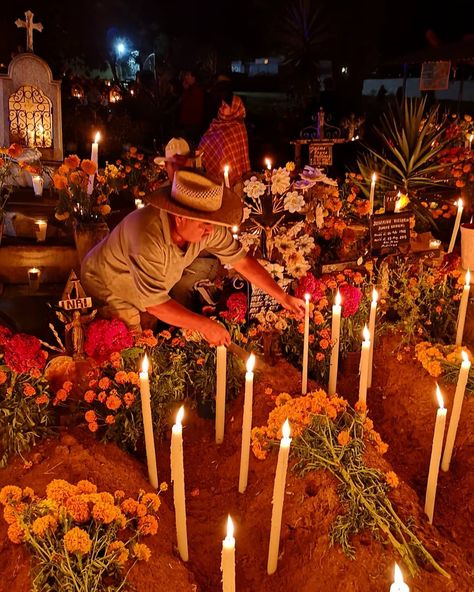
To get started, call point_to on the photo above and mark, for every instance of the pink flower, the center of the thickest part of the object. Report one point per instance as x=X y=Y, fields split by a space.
x=351 y=297
x=104 y=337
x=309 y=284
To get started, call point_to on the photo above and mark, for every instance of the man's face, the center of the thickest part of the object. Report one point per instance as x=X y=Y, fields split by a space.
x=192 y=231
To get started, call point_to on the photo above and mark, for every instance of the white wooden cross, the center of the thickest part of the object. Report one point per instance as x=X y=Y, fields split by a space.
x=30 y=26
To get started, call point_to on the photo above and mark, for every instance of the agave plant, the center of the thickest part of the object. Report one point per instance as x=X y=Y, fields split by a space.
x=411 y=144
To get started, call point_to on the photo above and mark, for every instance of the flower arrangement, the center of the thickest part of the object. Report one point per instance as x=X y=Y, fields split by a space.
x=135 y=173
x=80 y=538
x=83 y=191
x=25 y=398
x=103 y=337
x=329 y=435
x=425 y=299
x=444 y=361
x=8 y=161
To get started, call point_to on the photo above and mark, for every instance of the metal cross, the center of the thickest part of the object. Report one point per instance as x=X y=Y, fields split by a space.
x=30 y=26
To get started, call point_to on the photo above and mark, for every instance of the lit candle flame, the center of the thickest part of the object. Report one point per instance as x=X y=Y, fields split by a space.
x=468 y=278
x=226 y=169
x=398 y=575
x=268 y=163
x=439 y=396
x=460 y=204
x=235 y=229
x=179 y=416
x=97 y=137
x=251 y=363
x=145 y=364
x=230 y=529
x=366 y=333
x=337 y=301
x=285 y=430
x=465 y=357
x=307 y=297
x=375 y=295
x=374 y=177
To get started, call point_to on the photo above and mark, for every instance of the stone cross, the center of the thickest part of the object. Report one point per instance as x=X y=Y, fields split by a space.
x=30 y=26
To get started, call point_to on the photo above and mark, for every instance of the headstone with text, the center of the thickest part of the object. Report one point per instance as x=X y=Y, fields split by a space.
x=389 y=232
x=320 y=153
x=260 y=301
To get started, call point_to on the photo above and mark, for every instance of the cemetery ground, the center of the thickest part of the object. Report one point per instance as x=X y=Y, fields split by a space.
x=401 y=404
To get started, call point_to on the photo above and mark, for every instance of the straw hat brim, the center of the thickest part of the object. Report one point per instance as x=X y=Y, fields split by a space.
x=229 y=214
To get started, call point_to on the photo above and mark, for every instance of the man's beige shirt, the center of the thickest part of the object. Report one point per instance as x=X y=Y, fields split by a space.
x=138 y=263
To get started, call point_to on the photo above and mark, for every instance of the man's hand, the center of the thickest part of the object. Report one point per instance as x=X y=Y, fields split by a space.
x=214 y=333
x=294 y=305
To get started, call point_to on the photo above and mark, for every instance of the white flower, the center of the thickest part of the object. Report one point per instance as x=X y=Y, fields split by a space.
x=305 y=243
x=285 y=244
x=280 y=181
x=253 y=187
x=248 y=240
x=274 y=269
x=294 y=202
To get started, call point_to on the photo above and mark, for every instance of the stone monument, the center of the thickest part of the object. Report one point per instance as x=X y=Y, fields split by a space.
x=30 y=101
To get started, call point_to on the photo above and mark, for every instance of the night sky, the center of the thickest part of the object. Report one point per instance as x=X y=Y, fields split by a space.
x=370 y=29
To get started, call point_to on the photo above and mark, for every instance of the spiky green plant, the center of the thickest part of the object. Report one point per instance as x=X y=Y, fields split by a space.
x=412 y=140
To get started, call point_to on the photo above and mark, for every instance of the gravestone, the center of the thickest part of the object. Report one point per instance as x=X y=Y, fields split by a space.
x=30 y=102
x=389 y=232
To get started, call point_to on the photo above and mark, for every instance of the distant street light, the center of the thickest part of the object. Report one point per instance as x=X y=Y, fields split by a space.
x=120 y=48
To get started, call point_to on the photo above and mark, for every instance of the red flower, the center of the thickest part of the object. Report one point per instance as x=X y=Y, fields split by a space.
x=5 y=334
x=309 y=284
x=105 y=337
x=237 y=308
x=23 y=353
x=351 y=297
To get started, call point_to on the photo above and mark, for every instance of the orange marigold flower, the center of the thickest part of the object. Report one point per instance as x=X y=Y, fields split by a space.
x=148 y=525
x=60 y=490
x=119 y=494
x=78 y=509
x=61 y=395
x=121 y=377
x=268 y=390
x=105 y=209
x=85 y=486
x=10 y=513
x=92 y=383
x=16 y=533
x=129 y=399
x=119 y=550
x=165 y=334
x=10 y=494
x=67 y=386
x=163 y=486
x=129 y=506
x=344 y=438
x=93 y=426
x=59 y=181
x=105 y=512
x=29 y=390
x=42 y=400
x=153 y=500
x=77 y=541
x=72 y=161
x=3 y=377
x=141 y=510
x=324 y=344
x=392 y=479
x=88 y=166
x=141 y=551
x=90 y=416
x=109 y=419
x=89 y=396
x=28 y=493
x=133 y=377
x=200 y=361
x=320 y=357
x=104 y=382
x=44 y=524
x=361 y=407
x=113 y=402
x=102 y=396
